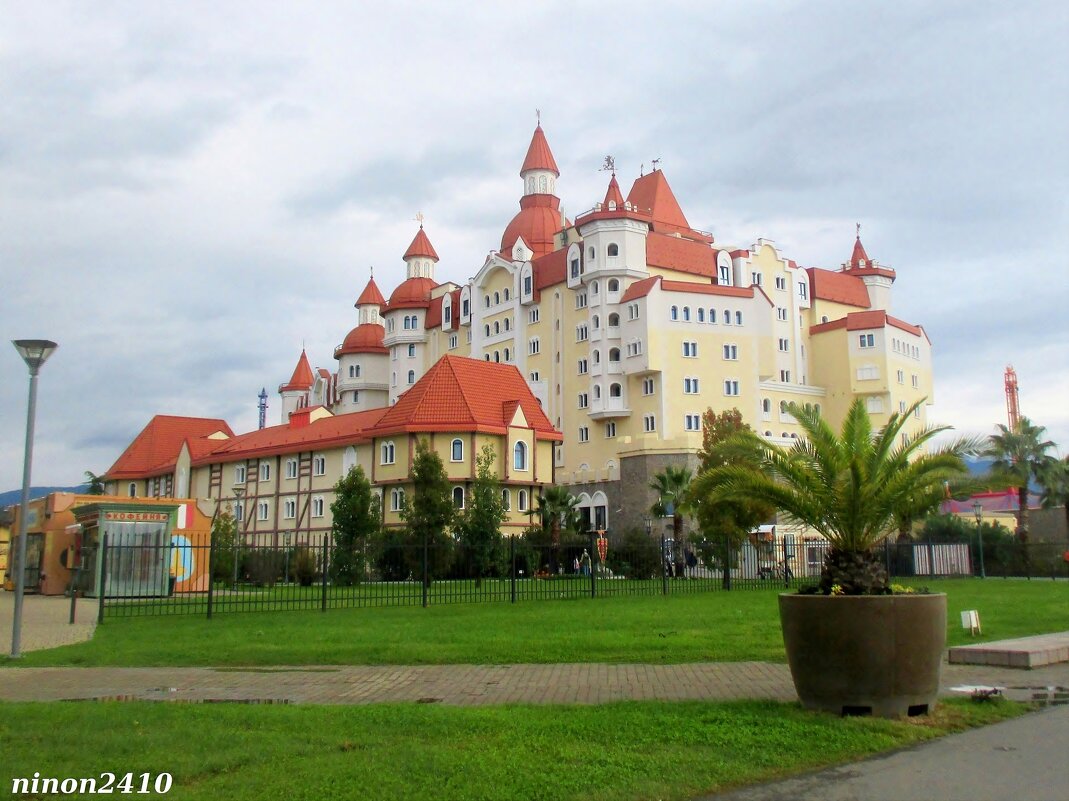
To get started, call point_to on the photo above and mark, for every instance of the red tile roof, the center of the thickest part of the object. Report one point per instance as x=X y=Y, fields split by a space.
x=707 y=289
x=460 y=394
x=640 y=289
x=685 y=255
x=366 y=338
x=539 y=156
x=412 y=293
x=342 y=429
x=613 y=194
x=302 y=377
x=838 y=287
x=859 y=255
x=858 y=321
x=651 y=193
x=421 y=247
x=155 y=450
x=371 y=295
x=537 y=221
x=434 y=311
x=550 y=270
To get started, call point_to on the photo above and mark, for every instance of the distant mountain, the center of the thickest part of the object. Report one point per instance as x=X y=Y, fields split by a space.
x=978 y=466
x=14 y=497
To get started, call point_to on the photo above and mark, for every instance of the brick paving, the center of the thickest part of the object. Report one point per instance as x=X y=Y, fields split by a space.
x=461 y=685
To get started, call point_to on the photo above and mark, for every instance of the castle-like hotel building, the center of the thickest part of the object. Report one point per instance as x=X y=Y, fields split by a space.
x=626 y=323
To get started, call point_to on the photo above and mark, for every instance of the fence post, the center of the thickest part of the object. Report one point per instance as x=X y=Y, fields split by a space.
x=512 y=561
x=326 y=557
x=931 y=558
x=887 y=556
x=103 y=577
x=786 y=567
x=211 y=571
x=426 y=575
x=664 y=567
x=592 y=542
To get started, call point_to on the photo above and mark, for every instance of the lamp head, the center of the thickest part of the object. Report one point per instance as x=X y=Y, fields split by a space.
x=978 y=511
x=34 y=352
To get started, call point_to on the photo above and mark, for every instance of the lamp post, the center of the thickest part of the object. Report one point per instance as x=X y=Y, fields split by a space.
x=978 y=511
x=238 y=492
x=34 y=352
x=287 y=539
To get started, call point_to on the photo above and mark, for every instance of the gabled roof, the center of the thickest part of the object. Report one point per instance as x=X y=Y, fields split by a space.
x=838 y=287
x=539 y=156
x=421 y=247
x=549 y=270
x=155 y=450
x=641 y=289
x=860 y=321
x=460 y=394
x=434 y=311
x=302 y=377
x=371 y=295
x=684 y=255
x=651 y=193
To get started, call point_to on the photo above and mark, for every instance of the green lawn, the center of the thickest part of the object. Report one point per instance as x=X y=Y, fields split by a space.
x=617 y=751
x=708 y=626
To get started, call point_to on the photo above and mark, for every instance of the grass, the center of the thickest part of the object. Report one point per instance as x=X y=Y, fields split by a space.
x=708 y=626
x=596 y=753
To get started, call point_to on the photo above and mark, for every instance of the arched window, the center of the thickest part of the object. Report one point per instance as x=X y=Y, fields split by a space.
x=506 y=294
x=352 y=371
x=766 y=406
x=597 y=392
x=506 y=500
x=590 y=254
x=411 y=376
x=457 y=450
x=738 y=318
x=358 y=371
x=131 y=489
x=614 y=285
x=596 y=357
x=712 y=316
x=615 y=391
x=768 y=433
x=614 y=249
x=531 y=185
x=686 y=314
x=594 y=288
x=497 y=356
x=543 y=184
x=508 y=324
x=614 y=320
x=458 y=497
x=507 y=354
x=595 y=322
x=486 y=301
x=519 y=456
x=487 y=357
x=674 y=313
x=523 y=501
x=387 y=453
x=701 y=315
x=497 y=327
x=497 y=298
x=487 y=329
x=405 y=323
x=783 y=407
x=614 y=354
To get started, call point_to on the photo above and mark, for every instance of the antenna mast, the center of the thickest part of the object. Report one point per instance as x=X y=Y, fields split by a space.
x=262 y=405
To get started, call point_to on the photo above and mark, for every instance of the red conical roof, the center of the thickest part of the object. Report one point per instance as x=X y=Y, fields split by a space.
x=613 y=194
x=412 y=293
x=421 y=247
x=539 y=156
x=651 y=193
x=366 y=338
x=371 y=295
x=302 y=377
x=859 y=255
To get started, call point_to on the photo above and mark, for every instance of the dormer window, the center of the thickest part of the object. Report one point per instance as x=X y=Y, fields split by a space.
x=527 y=285
x=724 y=275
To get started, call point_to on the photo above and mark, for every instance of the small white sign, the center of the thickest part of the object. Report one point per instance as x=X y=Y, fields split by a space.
x=970 y=619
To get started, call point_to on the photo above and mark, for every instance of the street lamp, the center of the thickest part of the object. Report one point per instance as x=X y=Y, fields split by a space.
x=34 y=352
x=238 y=492
x=978 y=511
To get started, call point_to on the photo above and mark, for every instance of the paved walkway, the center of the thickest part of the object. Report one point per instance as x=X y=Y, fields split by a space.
x=464 y=685
x=44 y=622
x=1021 y=759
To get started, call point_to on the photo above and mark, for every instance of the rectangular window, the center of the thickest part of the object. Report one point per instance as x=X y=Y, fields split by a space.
x=781 y=313
x=584 y=434
x=869 y=372
x=690 y=350
x=901 y=375
x=239 y=512
x=581 y=333
x=692 y=422
x=915 y=380
x=584 y=400
x=289 y=508
x=239 y=474
x=610 y=430
x=317 y=507
x=582 y=366
x=755 y=278
x=784 y=344
x=532 y=347
x=534 y=376
x=803 y=293
x=901 y=407
x=649 y=423
x=319 y=466
x=265 y=471
x=867 y=340
x=532 y=315
x=632 y=311
x=452 y=341
x=731 y=387
x=690 y=386
x=781 y=282
x=874 y=404
x=527 y=285
x=291 y=468
x=647 y=386
x=580 y=300
x=731 y=352
x=575 y=268
x=262 y=510
x=785 y=376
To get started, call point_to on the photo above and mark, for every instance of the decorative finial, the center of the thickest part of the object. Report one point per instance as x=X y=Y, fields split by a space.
x=609 y=165
x=641 y=169
x=371 y=270
x=538 y=116
x=858 y=230
x=419 y=218
x=656 y=163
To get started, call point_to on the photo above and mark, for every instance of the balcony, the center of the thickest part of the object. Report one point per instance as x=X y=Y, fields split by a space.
x=606 y=408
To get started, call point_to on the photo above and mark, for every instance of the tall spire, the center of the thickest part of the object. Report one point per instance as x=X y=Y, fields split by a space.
x=371 y=295
x=421 y=247
x=613 y=194
x=302 y=378
x=539 y=156
x=859 y=255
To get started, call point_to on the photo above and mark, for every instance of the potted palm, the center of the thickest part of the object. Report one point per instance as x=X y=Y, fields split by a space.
x=853 y=646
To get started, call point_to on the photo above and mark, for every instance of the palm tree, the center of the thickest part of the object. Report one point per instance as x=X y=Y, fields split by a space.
x=1019 y=457
x=1055 y=482
x=94 y=483
x=850 y=487
x=556 y=508
x=672 y=486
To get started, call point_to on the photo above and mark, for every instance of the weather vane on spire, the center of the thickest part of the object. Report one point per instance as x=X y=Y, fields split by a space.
x=656 y=164
x=858 y=226
x=538 y=115
x=609 y=165
x=419 y=218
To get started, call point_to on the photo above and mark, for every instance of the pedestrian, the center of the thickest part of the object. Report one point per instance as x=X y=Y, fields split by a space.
x=585 y=561
x=575 y=566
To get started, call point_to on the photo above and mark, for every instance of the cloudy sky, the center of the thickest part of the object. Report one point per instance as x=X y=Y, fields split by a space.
x=191 y=191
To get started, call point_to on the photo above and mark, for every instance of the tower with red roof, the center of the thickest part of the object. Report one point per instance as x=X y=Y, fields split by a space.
x=296 y=393
x=363 y=358
x=539 y=221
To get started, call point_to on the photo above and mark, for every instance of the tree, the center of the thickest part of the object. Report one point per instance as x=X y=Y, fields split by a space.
x=95 y=483
x=224 y=545
x=478 y=526
x=430 y=512
x=672 y=485
x=1055 y=483
x=557 y=510
x=847 y=486
x=724 y=524
x=355 y=522
x=1019 y=457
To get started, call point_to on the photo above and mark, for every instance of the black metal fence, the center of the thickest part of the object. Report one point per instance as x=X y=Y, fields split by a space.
x=394 y=570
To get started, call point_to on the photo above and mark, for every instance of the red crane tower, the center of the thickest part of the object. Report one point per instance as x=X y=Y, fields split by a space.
x=1013 y=413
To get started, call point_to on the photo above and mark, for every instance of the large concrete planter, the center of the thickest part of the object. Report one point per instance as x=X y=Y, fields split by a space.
x=871 y=654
